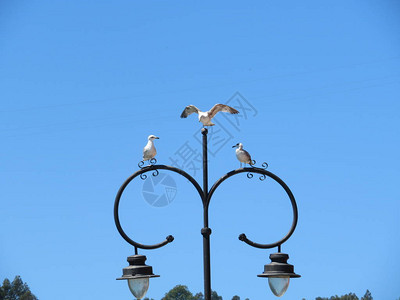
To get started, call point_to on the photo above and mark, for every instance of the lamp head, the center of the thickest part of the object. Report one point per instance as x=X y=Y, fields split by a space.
x=137 y=274
x=279 y=273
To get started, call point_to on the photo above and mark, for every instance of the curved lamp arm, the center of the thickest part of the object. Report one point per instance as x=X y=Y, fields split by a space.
x=169 y=238
x=264 y=173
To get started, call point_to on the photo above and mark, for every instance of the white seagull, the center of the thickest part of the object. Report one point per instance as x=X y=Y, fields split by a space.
x=205 y=117
x=149 y=151
x=242 y=155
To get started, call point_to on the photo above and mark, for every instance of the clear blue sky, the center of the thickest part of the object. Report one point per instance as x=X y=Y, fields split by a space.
x=83 y=83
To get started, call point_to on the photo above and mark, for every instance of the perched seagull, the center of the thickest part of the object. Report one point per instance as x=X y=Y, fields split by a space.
x=149 y=151
x=205 y=117
x=242 y=155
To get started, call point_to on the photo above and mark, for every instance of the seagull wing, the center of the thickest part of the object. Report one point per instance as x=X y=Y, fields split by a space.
x=189 y=110
x=221 y=107
x=248 y=156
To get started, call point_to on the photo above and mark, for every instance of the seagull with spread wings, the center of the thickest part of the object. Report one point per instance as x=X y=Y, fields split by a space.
x=205 y=117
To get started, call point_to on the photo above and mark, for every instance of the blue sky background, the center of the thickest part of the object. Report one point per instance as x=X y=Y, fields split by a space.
x=83 y=83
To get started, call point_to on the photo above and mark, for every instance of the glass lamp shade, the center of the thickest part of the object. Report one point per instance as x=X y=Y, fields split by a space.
x=139 y=287
x=279 y=285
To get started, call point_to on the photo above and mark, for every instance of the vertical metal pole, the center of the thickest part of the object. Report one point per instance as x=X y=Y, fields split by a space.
x=206 y=231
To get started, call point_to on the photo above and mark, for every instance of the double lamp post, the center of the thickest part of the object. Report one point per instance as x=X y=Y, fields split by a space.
x=138 y=273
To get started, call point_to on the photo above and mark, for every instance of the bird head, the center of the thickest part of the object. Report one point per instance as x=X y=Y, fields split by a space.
x=152 y=137
x=238 y=145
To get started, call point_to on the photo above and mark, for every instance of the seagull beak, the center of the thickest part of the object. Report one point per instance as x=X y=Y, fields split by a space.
x=234 y=146
x=157 y=138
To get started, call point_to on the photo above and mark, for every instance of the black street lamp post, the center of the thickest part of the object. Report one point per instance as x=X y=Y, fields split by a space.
x=137 y=273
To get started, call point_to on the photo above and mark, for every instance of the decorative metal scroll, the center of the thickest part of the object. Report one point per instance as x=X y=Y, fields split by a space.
x=206 y=198
x=141 y=165
x=264 y=173
x=264 y=166
x=140 y=173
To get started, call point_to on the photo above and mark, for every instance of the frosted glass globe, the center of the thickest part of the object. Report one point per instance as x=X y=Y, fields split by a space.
x=138 y=287
x=278 y=285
